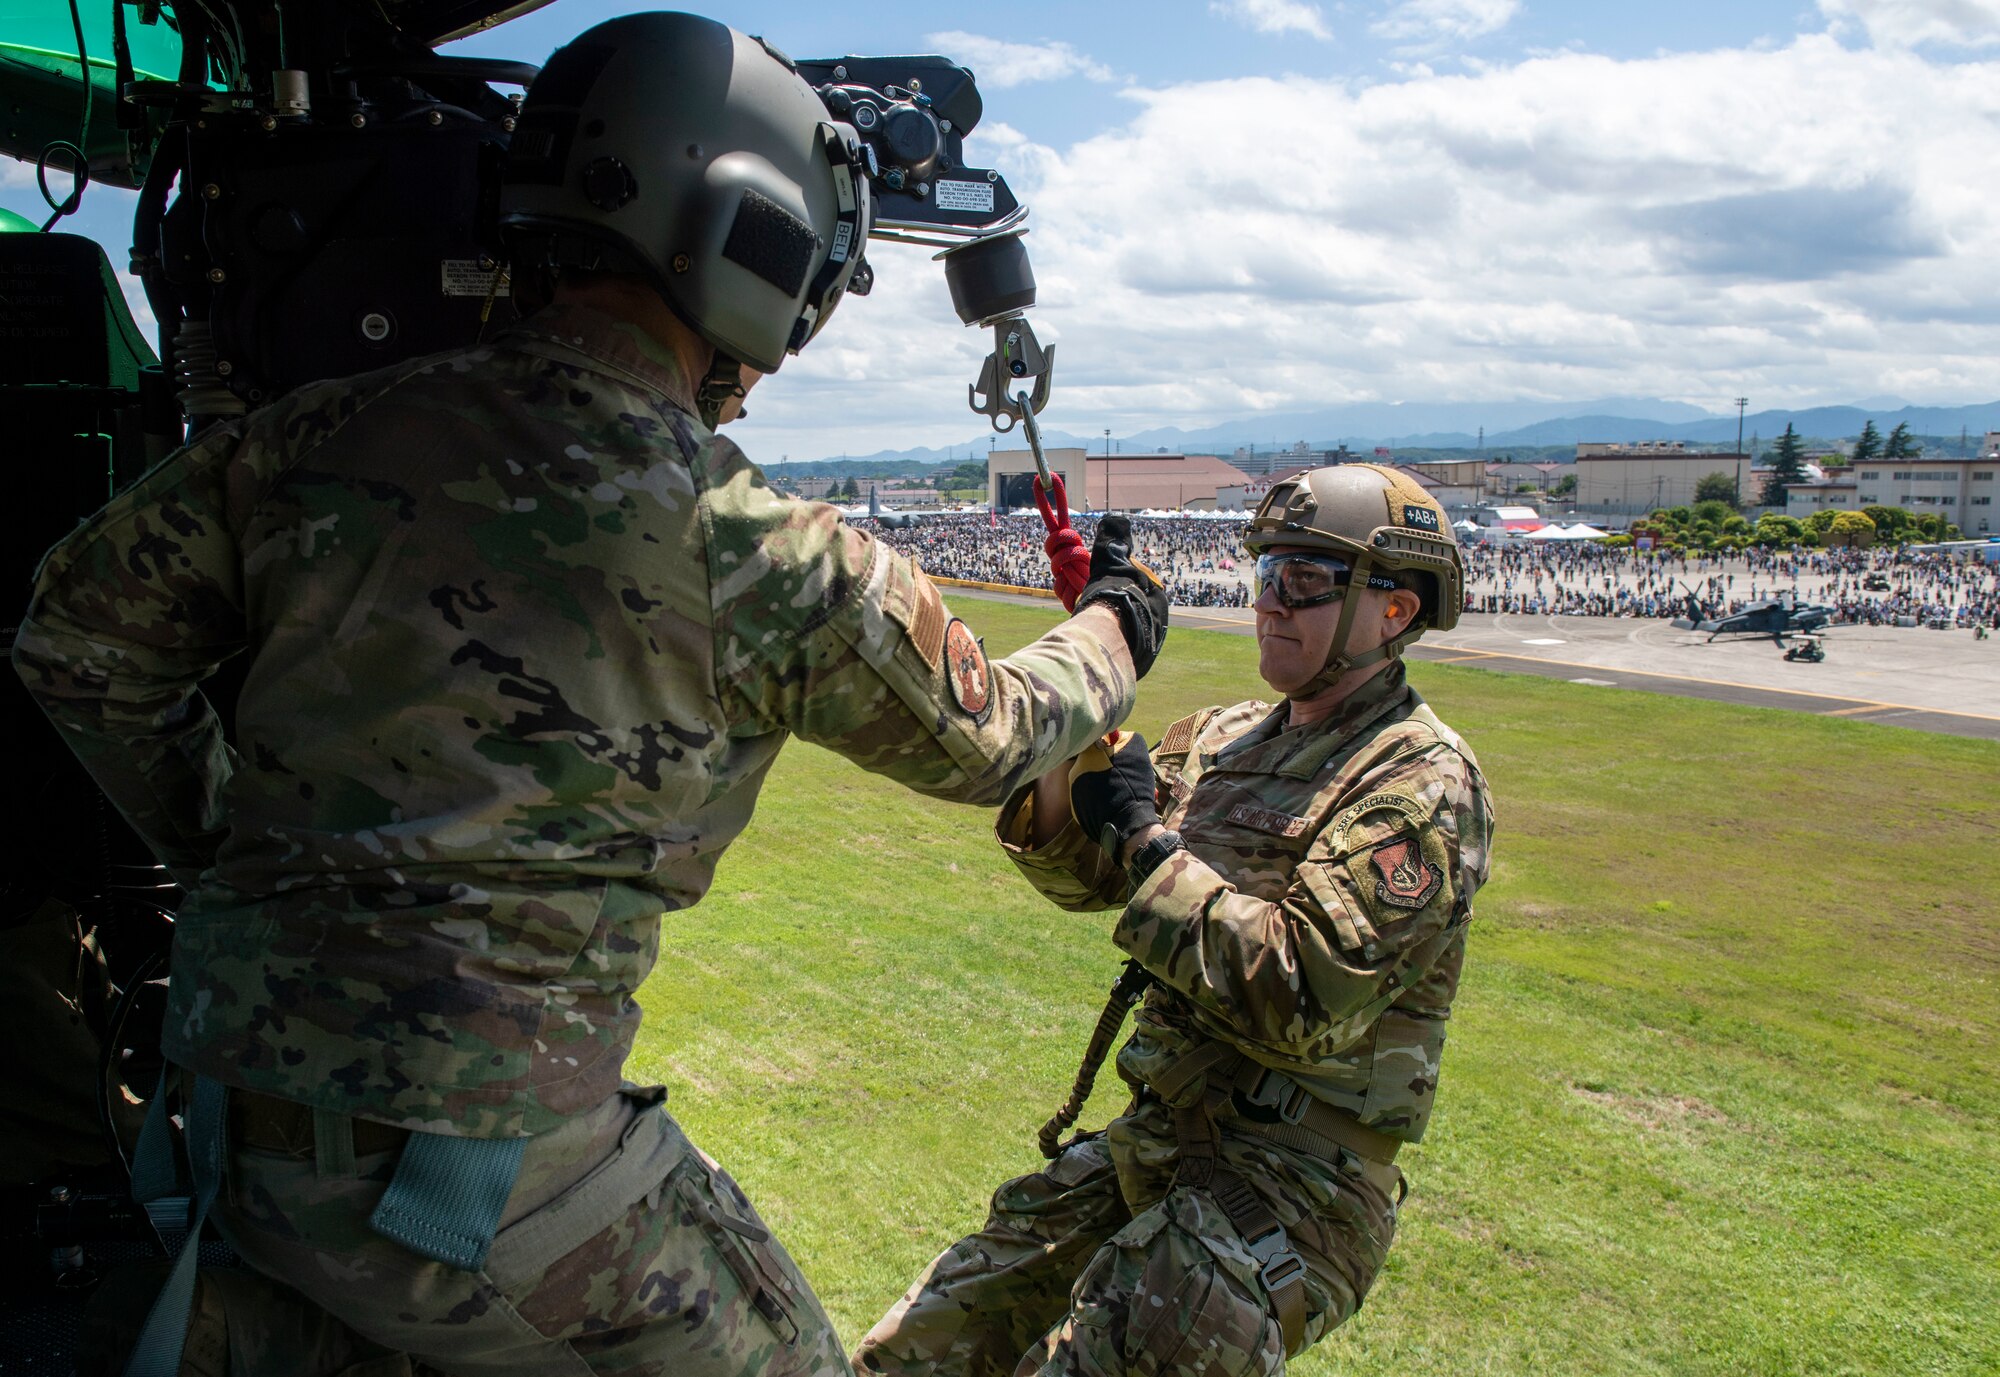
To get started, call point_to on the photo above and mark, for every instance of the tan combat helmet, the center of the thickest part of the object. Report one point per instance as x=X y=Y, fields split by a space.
x=1380 y=521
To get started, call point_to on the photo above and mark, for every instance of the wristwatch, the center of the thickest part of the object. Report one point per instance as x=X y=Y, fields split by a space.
x=1148 y=857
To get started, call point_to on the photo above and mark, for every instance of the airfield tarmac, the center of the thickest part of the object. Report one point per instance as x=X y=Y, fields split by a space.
x=1937 y=681
x=1940 y=681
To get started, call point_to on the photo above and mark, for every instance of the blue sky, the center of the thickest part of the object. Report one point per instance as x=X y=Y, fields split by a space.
x=1267 y=206
x=1179 y=41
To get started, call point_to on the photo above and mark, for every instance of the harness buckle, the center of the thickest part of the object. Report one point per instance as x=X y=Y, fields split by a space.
x=1277 y=1265
x=1281 y=1094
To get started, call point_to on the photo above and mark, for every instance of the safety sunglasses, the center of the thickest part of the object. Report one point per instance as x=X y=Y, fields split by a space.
x=1309 y=580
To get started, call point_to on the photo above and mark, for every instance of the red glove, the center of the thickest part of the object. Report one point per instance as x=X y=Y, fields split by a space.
x=1069 y=557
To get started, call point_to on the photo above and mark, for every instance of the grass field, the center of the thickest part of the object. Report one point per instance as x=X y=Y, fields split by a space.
x=1721 y=1092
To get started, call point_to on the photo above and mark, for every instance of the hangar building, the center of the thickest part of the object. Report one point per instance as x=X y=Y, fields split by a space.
x=1113 y=482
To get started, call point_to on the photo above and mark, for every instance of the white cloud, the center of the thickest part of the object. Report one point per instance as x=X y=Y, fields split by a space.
x=1435 y=21
x=1574 y=226
x=999 y=64
x=1909 y=23
x=1275 y=16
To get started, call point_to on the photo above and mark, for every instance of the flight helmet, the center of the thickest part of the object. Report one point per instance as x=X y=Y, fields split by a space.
x=1383 y=525
x=675 y=148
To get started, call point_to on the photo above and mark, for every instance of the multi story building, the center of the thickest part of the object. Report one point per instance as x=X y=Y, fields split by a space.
x=1262 y=463
x=1456 y=483
x=1634 y=478
x=1506 y=477
x=1829 y=494
x=1959 y=490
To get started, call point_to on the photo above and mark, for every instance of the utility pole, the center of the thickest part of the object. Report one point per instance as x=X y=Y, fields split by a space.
x=1742 y=404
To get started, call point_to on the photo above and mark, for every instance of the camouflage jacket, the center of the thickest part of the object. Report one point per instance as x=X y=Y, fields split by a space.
x=1316 y=921
x=523 y=640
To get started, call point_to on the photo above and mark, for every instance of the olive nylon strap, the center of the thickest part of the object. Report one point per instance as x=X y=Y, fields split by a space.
x=1125 y=992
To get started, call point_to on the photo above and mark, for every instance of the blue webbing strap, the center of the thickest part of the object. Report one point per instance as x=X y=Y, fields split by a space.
x=155 y=1173
x=445 y=1200
x=158 y=1352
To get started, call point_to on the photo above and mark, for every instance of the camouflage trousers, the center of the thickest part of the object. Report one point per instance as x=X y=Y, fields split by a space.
x=1099 y=1265
x=609 y=1259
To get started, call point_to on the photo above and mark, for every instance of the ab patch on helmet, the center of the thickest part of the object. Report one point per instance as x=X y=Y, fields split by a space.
x=965 y=668
x=1404 y=878
x=1423 y=518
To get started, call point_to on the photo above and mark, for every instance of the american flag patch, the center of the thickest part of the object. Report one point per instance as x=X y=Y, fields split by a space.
x=1265 y=820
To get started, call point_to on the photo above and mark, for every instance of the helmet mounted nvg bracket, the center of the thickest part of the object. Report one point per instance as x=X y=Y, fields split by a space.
x=744 y=185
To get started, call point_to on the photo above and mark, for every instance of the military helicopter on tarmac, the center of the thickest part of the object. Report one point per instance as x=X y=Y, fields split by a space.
x=1774 y=617
x=317 y=189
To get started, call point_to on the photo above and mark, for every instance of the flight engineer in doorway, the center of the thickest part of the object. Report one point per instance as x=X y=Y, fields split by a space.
x=1293 y=886
x=524 y=636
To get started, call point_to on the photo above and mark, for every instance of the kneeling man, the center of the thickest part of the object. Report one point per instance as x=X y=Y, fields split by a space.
x=1295 y=884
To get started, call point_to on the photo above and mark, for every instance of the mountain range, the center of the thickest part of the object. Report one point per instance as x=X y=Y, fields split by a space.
x=1456 y=425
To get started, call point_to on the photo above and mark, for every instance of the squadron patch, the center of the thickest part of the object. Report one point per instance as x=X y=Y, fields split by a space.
x=1266 y=820
x=1403 y=877
x=965 y=668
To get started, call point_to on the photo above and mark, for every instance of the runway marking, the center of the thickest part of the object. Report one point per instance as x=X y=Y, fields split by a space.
x=1596 y=683
x=1544 y=641
x=1866 y=707
x=1712 y=683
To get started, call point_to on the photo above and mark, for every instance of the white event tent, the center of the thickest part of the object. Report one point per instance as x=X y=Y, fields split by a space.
x=1580 y=531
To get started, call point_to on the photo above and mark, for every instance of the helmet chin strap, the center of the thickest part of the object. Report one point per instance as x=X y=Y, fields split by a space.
x=1338 y=661
x=723 y=381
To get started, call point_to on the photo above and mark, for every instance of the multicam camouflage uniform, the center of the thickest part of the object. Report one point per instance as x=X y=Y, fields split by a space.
x=1315 y=924
x=523 y=641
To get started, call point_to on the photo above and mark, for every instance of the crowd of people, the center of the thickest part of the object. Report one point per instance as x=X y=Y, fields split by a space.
x=1199 y=558
x=1863 y=587
x=1202 y=561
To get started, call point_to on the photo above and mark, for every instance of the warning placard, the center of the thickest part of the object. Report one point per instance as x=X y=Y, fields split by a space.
x=470 y=277
x=965 y=196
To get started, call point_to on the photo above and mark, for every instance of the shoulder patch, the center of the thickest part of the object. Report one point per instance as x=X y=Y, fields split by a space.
x=1398 y=803
x=1180 y=736
x=965 y=668
x=927 y=621
x=1404 y=878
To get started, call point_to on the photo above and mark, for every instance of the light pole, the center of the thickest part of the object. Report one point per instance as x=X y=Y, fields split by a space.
x=1741 y=404
x=1107 y=468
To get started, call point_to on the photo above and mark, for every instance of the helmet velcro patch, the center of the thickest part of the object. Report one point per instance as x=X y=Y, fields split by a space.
x=771 y=242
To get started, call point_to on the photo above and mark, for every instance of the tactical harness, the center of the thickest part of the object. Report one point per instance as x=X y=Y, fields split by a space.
x=444 y=1201
x=1243 y=1092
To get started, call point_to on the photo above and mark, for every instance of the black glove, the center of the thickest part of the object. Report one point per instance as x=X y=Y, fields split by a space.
x=1130 y=587
x=1114 y=793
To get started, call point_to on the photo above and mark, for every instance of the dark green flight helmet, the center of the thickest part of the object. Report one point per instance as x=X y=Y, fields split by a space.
x=676 y=148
